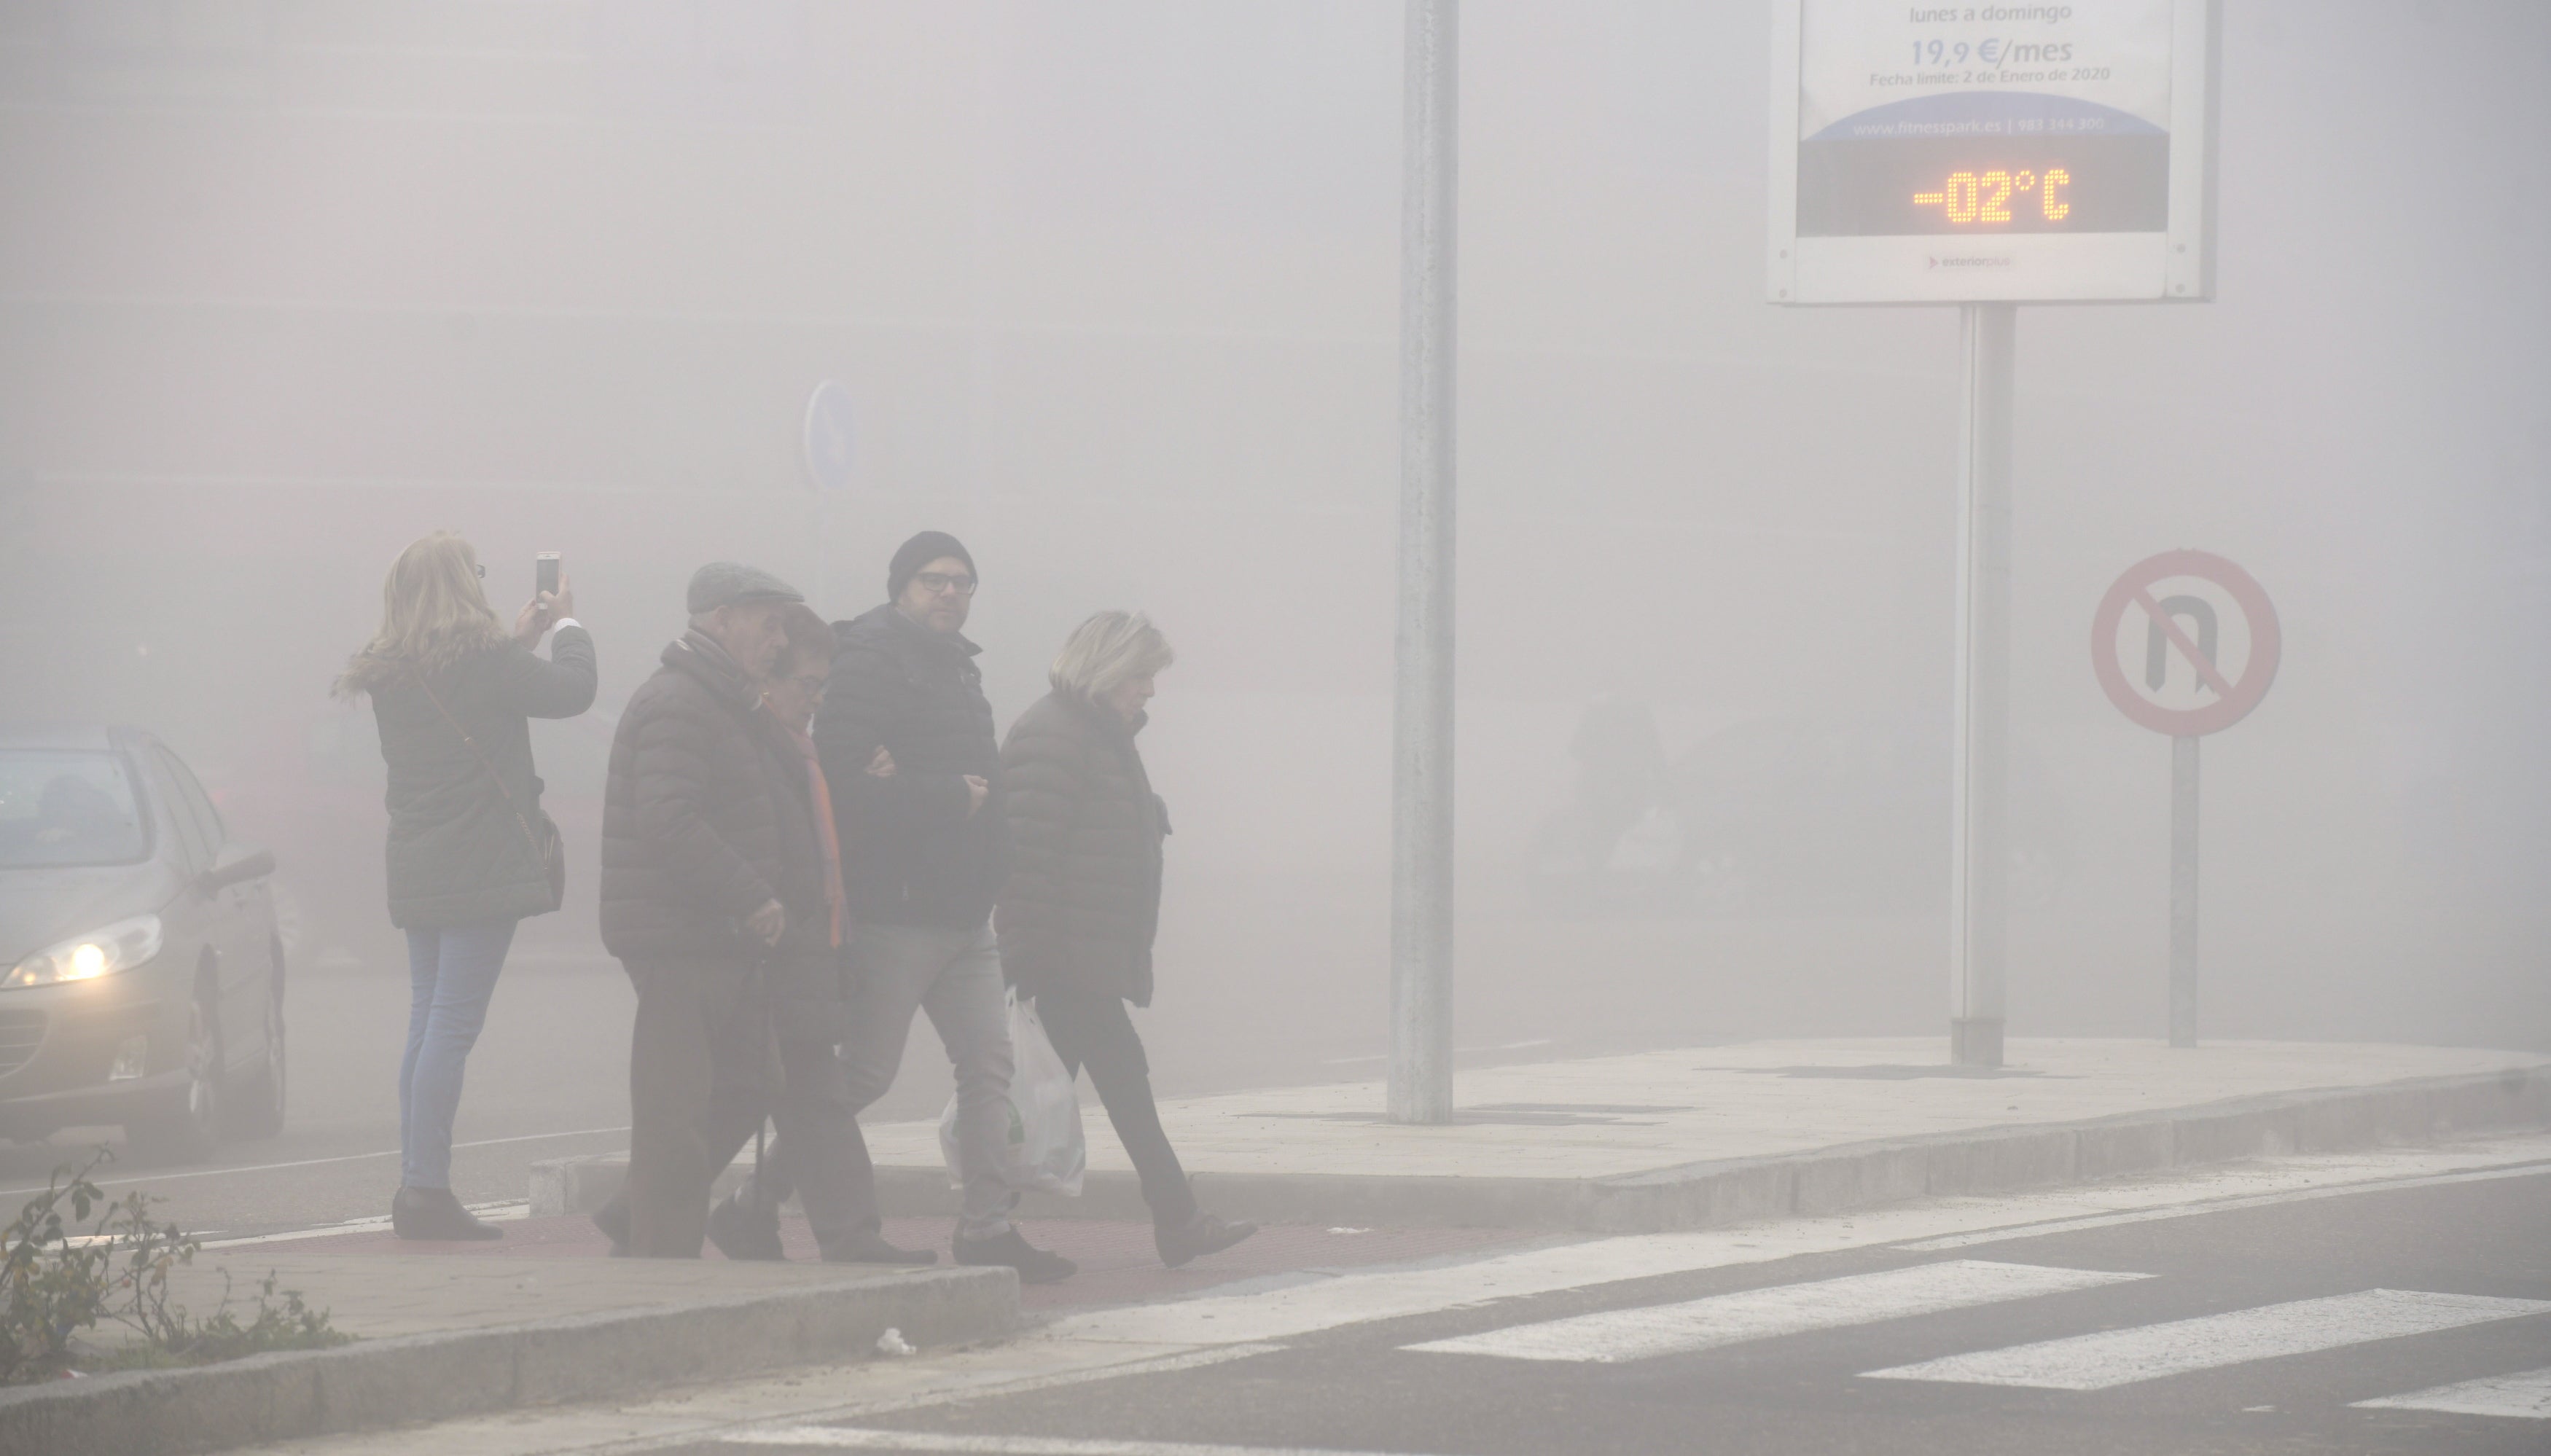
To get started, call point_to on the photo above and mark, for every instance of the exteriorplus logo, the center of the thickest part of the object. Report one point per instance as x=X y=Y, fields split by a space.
x=1973 y=260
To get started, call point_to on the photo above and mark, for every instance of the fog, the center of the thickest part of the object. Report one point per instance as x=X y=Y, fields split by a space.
x=1113 y=291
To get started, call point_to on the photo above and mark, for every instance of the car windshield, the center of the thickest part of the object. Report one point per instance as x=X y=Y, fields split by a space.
x=62 y=807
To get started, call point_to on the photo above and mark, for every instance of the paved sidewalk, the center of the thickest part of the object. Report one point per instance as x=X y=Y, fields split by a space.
x=1693 y=1137
x=1608 y=1117
x=473 y=1332
x=380 y=1284
x=373 y=1290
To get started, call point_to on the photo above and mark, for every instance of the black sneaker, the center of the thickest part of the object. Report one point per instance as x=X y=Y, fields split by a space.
x=434 y=1214
x=1200 y=1235
x=867 y=1246
x=1035 y=1265
x=743 y=1231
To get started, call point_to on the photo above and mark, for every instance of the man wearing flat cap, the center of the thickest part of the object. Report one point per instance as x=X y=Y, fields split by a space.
x=695 y=863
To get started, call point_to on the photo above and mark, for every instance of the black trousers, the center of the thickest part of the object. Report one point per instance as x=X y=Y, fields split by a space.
x=1093 y=1032
x=701 y=1078
x=818 y=1152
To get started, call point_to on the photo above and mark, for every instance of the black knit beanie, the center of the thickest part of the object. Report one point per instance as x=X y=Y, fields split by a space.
x=918 y=552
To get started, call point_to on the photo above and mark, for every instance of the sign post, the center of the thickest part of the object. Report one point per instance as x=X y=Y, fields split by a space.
x=1422 y=757
x=2185 y=643
x=825 y=442
x=1989 y=156
x=1980 y=710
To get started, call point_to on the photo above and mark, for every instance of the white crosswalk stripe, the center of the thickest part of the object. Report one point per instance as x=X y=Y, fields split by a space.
x=852 y=1439
x=1762 y=1314
x=2525 y=1396
x=2096 y=1362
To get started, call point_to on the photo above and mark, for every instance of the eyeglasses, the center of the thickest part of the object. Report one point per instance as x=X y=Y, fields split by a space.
x=937 y=582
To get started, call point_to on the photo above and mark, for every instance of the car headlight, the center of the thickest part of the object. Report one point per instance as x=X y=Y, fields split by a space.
x=117 y=947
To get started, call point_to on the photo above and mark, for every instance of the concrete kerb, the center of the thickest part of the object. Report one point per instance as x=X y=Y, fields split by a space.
x=442 y=1375
x=2000 y=1159
x=1822 y=1180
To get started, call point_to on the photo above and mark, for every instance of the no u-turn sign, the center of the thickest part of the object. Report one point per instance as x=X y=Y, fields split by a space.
x=2185 y=643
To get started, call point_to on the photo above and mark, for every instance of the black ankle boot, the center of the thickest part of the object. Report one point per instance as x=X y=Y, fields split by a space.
x=1199 y=1235
x=434 y=1214
x=745 y=1230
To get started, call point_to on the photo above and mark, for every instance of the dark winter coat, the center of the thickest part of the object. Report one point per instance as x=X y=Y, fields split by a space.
x=693 y=839
x=458 y=854
x=910 y=853
x=1083 y=899
x=808 y=986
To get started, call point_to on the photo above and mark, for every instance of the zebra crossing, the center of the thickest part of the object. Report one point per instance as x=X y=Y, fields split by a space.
x=2097 y=1360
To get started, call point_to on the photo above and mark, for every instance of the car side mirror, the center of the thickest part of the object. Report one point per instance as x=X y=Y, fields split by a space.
x=255 y=865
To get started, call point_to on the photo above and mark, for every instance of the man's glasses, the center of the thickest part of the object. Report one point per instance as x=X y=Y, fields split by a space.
x=938 y=582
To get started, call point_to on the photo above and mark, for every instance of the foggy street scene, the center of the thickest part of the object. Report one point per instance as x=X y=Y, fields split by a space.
x=1387 y=728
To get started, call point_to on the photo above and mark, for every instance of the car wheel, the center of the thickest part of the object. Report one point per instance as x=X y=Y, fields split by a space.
x=189 y=1128
x=257 y=1106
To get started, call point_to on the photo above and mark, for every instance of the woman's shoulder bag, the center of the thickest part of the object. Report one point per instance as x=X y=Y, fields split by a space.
x=540 y=831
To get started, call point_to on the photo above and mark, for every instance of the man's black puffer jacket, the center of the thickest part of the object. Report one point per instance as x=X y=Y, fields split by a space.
x=1083 y=902
x=911 y=856
x=691 y=841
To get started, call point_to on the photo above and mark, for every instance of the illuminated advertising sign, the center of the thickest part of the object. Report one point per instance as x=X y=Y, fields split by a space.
x=1930 y=153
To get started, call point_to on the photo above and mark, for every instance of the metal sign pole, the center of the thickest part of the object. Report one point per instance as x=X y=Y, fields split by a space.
x=1421 y=820
x=2183 y=890
x=1980 y=717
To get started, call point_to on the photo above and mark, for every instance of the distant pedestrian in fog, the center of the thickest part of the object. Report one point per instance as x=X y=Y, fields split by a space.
x=696 y=856
x=1083 y=903
x=468 y=847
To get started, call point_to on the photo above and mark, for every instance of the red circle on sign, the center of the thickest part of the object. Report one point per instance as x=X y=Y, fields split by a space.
x=2230 y=706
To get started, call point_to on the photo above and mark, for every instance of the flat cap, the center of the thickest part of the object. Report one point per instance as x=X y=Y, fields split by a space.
x=723 y=583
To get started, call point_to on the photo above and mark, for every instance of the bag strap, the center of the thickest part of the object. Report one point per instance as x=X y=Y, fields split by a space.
x=529 y=839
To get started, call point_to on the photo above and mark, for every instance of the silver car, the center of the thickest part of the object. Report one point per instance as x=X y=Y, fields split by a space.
x=140 y=975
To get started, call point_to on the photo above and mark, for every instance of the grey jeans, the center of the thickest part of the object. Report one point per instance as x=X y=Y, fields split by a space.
x=955 y=976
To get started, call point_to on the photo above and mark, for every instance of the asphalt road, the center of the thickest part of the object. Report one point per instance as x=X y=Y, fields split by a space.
x=2252 y=1330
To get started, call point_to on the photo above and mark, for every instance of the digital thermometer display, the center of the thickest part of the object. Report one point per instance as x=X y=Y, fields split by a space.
x=2072 y=184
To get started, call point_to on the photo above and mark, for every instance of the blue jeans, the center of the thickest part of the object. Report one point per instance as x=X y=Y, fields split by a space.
x=451 y=974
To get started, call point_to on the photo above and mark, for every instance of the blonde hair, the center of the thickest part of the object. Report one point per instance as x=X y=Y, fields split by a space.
x=1106 y=651
x=434 y=613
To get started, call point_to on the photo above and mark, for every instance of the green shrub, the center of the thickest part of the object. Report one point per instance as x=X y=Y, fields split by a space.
x=61 y=1275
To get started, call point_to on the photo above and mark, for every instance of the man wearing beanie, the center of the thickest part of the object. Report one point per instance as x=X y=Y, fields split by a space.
x=924 y=851
x=693 y=865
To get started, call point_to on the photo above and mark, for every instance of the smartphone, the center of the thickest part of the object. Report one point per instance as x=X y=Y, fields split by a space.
x=545 y=572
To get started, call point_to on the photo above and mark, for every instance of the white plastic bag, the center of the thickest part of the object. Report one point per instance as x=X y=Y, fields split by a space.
x=1044 y=1150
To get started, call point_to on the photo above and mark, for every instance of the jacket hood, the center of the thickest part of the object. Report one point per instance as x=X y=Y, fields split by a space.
x=1100 y=716
x=883 y=617
x=704 y=659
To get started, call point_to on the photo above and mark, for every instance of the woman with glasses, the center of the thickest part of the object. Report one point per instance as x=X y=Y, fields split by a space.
x=818 y=1153
x=1083 y=904
x=470 y=849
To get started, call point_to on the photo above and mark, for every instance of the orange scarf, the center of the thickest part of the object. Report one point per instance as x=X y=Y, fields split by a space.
x=824 y=834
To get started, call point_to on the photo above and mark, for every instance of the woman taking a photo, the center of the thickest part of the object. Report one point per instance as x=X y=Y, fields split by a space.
x=1083 y=898
x=470 y=854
